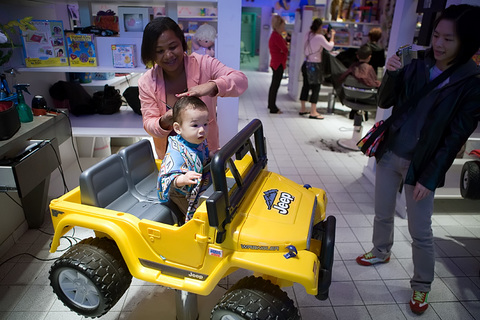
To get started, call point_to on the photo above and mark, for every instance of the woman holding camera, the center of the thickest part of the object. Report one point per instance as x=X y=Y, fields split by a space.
x=421 y=144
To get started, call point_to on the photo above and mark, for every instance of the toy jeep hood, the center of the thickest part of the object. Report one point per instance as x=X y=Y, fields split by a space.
x=282 y=207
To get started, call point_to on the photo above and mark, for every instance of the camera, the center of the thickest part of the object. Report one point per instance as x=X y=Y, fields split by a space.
x=406 y=54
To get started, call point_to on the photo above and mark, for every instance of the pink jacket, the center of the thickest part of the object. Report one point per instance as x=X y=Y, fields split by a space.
x=199 y=69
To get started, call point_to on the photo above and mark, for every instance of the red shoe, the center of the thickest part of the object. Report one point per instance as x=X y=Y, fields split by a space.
x=368 y=259
x=419 y=303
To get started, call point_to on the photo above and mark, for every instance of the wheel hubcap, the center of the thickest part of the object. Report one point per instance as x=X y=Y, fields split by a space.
x=465 y=180
x=79 y=289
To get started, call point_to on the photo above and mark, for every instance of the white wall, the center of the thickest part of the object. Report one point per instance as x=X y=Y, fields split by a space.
x=229 y=24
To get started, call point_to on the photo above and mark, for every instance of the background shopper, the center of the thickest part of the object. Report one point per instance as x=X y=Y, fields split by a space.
x=422 y=143
x=279 y=53
x=314 y=44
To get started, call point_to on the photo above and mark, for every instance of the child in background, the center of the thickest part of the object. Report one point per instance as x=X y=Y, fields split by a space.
x=181 y=179
x=362 y=70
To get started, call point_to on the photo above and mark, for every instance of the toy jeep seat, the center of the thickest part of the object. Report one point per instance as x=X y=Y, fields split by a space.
x=106 y=185
x=141 y=169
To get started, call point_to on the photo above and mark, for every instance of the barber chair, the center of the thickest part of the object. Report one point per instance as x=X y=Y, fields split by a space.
x=362 y=100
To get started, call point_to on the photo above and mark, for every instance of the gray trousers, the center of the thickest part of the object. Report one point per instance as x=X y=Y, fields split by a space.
x=390 y=173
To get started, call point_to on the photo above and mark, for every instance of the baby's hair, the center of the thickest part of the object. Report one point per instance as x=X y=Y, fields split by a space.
x=187 y=102
x=364 y=52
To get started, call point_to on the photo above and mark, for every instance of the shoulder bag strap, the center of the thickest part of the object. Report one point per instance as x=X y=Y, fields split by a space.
x=412 y=101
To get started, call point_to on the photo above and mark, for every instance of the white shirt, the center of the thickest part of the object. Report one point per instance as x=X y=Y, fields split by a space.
x=314 y=44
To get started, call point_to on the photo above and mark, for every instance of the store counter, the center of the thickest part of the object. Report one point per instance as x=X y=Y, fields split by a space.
x=27 y=160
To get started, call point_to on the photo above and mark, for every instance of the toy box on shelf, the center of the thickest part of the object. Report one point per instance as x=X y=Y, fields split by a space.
x=81 y=50
x=342 y=34
x=124 y=55
x=132 y=20
x=45 y=46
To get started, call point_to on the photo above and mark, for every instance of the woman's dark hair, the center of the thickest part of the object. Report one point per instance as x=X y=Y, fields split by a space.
x=316 y=24
x=152 y=31
x=466 y=19
x=183 y=103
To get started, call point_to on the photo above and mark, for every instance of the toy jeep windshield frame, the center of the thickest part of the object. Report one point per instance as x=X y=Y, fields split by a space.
x=221 y=205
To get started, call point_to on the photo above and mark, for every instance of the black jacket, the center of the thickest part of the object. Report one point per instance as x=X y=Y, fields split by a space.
x=454 y=116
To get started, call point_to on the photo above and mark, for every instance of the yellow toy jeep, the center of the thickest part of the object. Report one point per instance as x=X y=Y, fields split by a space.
x=250 y=218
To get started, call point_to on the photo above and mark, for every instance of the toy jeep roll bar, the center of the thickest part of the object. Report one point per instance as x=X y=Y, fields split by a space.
x=221 y=207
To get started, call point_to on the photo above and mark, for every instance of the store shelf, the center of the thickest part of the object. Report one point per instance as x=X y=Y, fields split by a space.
x=207 y=18
x=83 y=69
x=117 y=80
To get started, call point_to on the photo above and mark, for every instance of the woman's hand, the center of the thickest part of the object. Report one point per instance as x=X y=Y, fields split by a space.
x=166 y=121
x=420 y=192
x=205 y=89
x=190 y=177
x=393 y=63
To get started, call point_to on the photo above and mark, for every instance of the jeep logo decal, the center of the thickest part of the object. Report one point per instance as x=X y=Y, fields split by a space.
x=283 y=203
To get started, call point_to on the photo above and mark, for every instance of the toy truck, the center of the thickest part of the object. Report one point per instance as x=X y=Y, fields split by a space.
x=249 y=218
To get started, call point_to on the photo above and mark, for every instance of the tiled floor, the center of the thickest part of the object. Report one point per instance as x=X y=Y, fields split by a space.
x=304 y=150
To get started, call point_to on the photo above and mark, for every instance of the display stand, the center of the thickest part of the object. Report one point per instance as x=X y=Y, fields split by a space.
x=186 y=305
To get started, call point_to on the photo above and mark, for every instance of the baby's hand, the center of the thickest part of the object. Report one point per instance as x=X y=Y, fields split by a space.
x=190 y=177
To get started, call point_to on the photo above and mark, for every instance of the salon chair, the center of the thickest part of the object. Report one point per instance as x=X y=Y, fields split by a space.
x=358 y=98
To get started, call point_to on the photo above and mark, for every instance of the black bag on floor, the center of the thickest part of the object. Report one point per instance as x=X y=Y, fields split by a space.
x=107 y=101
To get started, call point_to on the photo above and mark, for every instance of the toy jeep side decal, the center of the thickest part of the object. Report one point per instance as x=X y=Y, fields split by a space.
x=283 y=203
x=172 y=271
x=265 y=248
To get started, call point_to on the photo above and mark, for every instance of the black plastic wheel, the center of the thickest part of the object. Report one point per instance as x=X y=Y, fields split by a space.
x=90 y=277
x=255 y=298
x=470 y=180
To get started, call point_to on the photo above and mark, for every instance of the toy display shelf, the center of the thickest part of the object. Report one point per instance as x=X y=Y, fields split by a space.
x=117 y=80
x=104 y=69
x=351 y=34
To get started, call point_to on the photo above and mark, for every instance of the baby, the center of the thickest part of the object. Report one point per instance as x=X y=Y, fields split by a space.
x=181 y=179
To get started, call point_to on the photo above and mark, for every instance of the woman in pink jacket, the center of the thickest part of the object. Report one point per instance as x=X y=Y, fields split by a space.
x=175 y=74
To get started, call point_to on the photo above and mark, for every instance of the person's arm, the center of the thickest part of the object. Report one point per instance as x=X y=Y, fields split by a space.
x=156 y=119
x=459 y=130
x=188 y=178
x=327 y=45
x=224 y=81
x=387 y=93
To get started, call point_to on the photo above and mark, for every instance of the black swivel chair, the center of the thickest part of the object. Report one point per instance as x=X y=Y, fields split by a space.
x=361 y=98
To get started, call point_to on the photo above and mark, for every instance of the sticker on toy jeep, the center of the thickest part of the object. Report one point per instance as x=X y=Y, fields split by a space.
x=283 y=203
x=215 y=252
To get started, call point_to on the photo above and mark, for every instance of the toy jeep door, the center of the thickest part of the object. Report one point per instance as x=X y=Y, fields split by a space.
x=185 y=245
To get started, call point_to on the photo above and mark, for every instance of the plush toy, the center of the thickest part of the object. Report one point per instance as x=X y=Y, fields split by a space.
x=204 y=40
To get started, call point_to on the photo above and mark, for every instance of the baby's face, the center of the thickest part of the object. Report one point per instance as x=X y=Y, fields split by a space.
x=194 y=127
